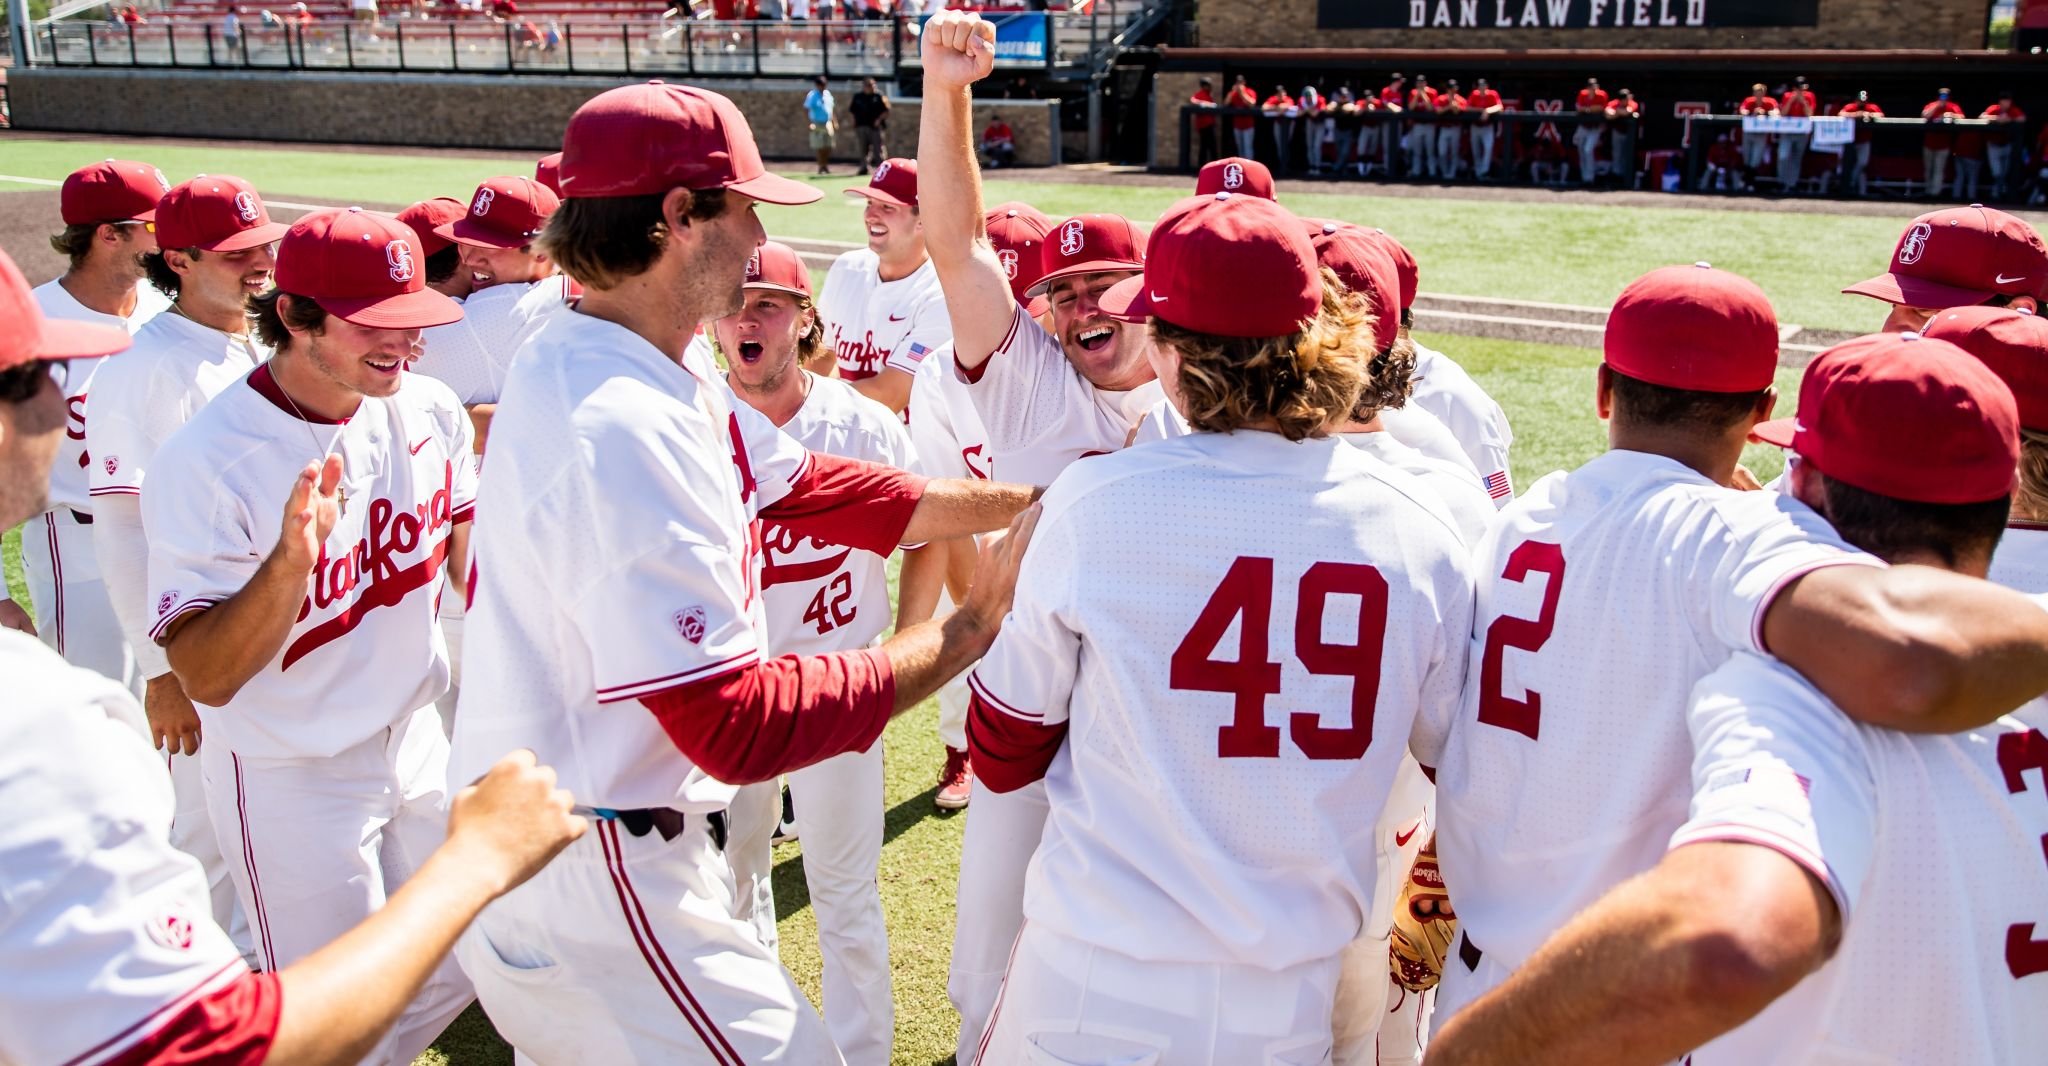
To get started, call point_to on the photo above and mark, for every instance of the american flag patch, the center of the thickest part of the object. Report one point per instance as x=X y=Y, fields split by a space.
x=917 y=352
x=1498 y=486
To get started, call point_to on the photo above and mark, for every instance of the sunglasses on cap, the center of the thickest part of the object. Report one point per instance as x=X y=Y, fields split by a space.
x=147 y=227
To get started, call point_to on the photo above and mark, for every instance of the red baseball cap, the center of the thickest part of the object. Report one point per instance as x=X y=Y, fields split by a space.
x=30 y=336
x=1087 y=244
x=1907 y=417
x=1247 y=177
x=1233 y=266
x=115 y=190
x=424 y=217
x=775 y=265
x=1961 y=256
x=504 y=212
x=1694 y=327
x=548 y=171
x=2013 y=344
x=1364 y=266
x=894 y=182
x=642 y=140
x=214 y=213
x=363 y=268
x=1017 y=230
x=1407 y=274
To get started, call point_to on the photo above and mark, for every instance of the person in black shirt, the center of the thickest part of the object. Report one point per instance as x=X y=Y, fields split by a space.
x=871 y=124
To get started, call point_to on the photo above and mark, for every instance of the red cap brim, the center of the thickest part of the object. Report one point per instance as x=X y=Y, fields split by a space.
x=772 y=287
x=63 y=339
x=268 y=233
x=879 y=196
x=1097 y=266
x=1778 y=431
x=1916 y=292
x=467 y=231
x=776 y=189
x=410 y=310
x=1127 y=300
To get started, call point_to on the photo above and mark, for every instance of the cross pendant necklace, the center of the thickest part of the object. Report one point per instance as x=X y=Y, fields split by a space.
x=340 y=491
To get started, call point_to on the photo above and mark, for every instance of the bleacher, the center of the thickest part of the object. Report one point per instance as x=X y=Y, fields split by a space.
x=580 y=11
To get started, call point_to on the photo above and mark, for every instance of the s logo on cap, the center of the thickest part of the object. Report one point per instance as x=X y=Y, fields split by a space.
x=1008 y=256
x=245 y=206
x=880 y=173
x=1071 y=240
x=399 y=255
x=1233 y=176
x=1914 y=244
x=162 y=182
x=754 y=267
x=482 y=206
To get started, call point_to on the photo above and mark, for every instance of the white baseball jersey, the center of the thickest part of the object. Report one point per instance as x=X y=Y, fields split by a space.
x=598 y=584
x=105 y=931
x=1216 y=795
x=1451 y=484
x=550 y=295
x=944 y=426
x=873 y=323
x=142 y=396
x=1040 y=413
x=1933 y=847
x=2021 y=561
x=1444 y=389
x=823 y=597
x=365 y=650
x=470 y=354
x=1411 y=426
x=1604 y=595
x=68 y=482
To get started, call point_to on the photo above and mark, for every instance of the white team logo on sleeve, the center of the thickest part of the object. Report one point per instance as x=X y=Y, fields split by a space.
x=399 y=255
x=165 y=602
x=690 y=623
x=245 y=206
x=482 y=206
x=172 y=928
x=1071 y=238
x=1233 y=176
x=1914 y=244
x=112 y=463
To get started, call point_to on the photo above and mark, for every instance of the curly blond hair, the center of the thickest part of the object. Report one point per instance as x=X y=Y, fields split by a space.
x=1302 y=383
x=2030 y=499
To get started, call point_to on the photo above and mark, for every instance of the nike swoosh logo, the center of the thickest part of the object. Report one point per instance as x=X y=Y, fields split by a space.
x=2003 y=280
x=423 y=443
x=1401 y=839
x=898 y=318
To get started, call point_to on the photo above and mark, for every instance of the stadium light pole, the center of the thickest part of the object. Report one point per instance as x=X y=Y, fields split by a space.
x=18 y=40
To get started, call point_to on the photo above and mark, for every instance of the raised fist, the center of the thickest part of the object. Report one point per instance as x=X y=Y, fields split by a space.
x=959 y=49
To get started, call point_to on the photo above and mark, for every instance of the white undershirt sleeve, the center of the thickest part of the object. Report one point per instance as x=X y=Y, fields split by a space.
x=123 y=550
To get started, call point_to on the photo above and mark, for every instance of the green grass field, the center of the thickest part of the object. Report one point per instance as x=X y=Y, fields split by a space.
x=1559 y=253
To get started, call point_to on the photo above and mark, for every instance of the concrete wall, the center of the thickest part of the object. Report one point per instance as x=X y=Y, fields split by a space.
x=453 y=110
x=1958 y=24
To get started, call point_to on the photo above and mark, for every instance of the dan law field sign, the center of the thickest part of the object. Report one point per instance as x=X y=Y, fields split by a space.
x=1562 y=14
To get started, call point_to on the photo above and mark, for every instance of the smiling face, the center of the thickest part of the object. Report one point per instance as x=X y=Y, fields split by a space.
x=761 y=340
x=502 y=266
x=359 y=359
x=894 y=232
x=215 y=283
x=1109 y=353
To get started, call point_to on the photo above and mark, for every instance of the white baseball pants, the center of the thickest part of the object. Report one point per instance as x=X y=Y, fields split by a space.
x=192 y=833
x=452 y=614
x=73 y=614
x=1067 y=1002
x=624 y=950
x=750 y=822
x=1003 y=831
x=320 y=844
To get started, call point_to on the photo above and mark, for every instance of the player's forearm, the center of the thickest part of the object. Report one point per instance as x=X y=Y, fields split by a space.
x=216 y=652
x=480 y=415
x=951 y=208
x=1662 y=964
x=918 y=585
x=1911 y=647
x=926 y=656
x=339 y=1001
x=890 y=388
x=957 y=507
x=123 y=551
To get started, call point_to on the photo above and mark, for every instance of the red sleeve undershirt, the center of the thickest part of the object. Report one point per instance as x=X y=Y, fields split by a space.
x=1007 y=751
x=850 y=503
x=231 y=1026
x=780 y=714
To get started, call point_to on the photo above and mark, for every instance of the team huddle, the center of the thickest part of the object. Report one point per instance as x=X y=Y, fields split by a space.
x=480 y=574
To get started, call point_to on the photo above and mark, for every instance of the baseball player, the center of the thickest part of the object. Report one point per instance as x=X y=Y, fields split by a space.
x=1445 y=390
x=108 y=953
x=1816 y=845
x=1960 y=257
x=2015 y=346
x=882 y=307
x=109 y=212
x=1236 y=174
x=495 y=236
x=819 y=599
x=1177 y=775
x=1606 y=593
x=444 y=257
x=216 y=240
x=300 y=525
x=616 y=625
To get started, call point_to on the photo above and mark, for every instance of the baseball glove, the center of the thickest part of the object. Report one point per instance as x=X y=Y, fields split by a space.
x=1424 y=925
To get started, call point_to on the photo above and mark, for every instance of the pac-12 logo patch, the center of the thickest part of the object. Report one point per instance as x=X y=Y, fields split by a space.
x=482 y=205
x=1233 y=176
x=165 y=602
x=1914 y=244
x=1071 y=238
x=245 y=206
x=399 y=255
x=690 y=623
x=1008 y=256
x=112 y=463
x=172 y=927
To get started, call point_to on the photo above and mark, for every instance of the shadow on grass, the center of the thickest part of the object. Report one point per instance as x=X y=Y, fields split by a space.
x=793 y=892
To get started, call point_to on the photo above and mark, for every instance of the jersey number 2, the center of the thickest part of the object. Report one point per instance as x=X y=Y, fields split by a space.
x=1246 y=594
x=2018 y=753
x=1496 y=707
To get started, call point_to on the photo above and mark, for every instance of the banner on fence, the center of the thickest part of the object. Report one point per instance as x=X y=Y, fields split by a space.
x=1021 y=37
